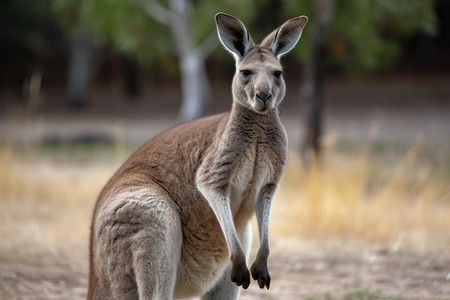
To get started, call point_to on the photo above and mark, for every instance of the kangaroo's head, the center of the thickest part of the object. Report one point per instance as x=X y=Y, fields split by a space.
x=258 y=82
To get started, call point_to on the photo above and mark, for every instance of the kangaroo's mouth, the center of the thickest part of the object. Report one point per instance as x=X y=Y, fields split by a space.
x=262 y=107
x=263 y=110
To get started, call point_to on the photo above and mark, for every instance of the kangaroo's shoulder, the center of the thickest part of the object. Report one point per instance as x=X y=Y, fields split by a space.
x=171 y=149
x=193 y=130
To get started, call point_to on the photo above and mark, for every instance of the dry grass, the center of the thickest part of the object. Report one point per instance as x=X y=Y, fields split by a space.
x=398 y=202
x=404 y=203
x=46 y=204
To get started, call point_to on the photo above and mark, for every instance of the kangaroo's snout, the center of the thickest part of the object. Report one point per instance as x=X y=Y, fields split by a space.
x=263 y=102
x=264 y=96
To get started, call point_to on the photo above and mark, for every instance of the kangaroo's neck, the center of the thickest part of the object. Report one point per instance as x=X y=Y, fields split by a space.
x=245 y=119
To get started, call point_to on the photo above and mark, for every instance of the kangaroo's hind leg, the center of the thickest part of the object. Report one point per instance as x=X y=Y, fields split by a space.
x=142 y=245
x=157 y=250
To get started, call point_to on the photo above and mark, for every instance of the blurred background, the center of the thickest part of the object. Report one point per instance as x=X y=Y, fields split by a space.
x=364 y=206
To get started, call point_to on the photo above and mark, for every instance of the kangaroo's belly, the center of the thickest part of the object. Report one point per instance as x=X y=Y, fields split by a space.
x=204 y=257
x=194 y=282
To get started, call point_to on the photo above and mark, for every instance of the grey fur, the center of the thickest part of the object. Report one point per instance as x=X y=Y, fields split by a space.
x=173 y=221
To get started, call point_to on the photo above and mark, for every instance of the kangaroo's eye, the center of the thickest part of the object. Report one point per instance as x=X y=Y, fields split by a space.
x=277 y=74
x=246 y=73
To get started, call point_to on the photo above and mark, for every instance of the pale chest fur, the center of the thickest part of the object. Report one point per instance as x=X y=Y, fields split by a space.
x=253 y=171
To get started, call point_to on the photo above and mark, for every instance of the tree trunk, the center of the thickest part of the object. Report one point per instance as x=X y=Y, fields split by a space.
x=79 y=68
x=131 y=78
x=194 y=80
x=191 y=58
x=313 y=76
x=195 y=86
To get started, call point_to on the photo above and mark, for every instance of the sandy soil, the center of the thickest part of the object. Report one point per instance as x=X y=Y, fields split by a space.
x=294 y=276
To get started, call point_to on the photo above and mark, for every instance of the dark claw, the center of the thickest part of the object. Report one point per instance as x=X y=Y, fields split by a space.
x=262 y=282
x=245 y=285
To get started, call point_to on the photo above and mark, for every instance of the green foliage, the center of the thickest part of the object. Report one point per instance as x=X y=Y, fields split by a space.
x=205 y=10
x=128 y=26
x=68 y=13
x=366 y=35
x=121 y=23
x=363 y=35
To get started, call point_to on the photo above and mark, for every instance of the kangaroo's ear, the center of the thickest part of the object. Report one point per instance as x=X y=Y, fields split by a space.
x=284 y=39
x=233 y=35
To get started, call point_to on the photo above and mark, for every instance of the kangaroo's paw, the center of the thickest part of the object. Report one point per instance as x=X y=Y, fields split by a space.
x=260 y=273
x=239 y=274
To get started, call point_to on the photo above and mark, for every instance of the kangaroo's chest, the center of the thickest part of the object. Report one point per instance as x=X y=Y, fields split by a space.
x=253 y=171
x=244 y=172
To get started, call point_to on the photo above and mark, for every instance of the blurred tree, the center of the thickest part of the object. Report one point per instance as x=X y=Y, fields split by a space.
x=73 y=20
x=178 y=17
x=353 y=36
x=154 y=30
x=80 y=67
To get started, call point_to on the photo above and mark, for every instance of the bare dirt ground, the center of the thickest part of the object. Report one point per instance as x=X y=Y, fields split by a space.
x=294 y=276
x=394 y=275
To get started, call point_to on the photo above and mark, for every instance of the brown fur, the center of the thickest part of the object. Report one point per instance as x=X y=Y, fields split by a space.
x=173 y=221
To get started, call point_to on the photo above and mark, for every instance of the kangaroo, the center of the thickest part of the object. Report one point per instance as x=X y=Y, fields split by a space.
x=174 y=220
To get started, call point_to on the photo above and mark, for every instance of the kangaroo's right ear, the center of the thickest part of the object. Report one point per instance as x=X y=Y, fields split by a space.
x=283 y=39
x=233 y=35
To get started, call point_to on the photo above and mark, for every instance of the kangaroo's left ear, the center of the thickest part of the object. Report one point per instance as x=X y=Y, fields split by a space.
x=284 y=39
x=233 y=35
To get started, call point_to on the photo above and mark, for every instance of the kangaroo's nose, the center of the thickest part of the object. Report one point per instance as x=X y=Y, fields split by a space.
x=264 y=96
